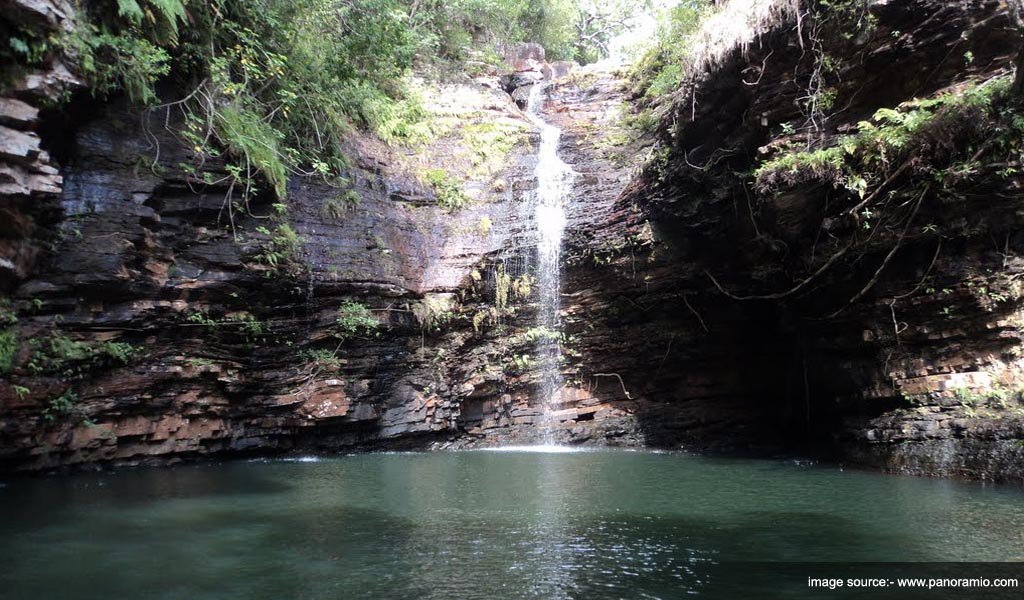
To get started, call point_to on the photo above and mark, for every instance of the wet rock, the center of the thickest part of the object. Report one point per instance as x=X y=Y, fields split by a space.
x=521 y=95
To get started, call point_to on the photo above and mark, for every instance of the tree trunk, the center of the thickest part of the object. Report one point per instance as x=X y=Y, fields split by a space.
x=1018 y=80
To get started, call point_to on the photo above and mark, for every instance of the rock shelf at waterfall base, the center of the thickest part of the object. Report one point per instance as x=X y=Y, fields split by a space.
x=541 y=448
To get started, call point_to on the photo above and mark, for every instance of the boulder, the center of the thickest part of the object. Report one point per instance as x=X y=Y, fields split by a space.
x=527 y=51
x=561 y=68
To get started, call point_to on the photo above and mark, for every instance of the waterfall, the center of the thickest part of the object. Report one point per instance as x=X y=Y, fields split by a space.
x=554 y=183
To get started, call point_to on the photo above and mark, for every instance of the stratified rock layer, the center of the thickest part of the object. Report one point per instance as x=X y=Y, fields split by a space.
x=921 y=372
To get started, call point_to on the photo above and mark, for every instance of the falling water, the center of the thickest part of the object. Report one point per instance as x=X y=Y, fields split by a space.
x=554 y=182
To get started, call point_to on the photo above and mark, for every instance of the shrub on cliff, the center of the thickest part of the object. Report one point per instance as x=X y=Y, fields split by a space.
x=953 y=135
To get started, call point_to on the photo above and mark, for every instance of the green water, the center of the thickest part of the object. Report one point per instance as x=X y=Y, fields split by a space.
x=480 y=525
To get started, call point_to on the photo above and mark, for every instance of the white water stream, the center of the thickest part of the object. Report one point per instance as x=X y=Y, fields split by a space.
x=554 y=184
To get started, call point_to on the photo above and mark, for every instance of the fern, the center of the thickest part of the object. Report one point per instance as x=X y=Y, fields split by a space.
x=248 y=137
x=163 y=14
x=172 y=11
x=130 y=11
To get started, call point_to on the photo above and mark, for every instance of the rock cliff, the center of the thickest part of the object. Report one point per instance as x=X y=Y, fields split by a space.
x=879 y=316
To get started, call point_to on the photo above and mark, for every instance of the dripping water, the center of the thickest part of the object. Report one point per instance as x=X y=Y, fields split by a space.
x=554 y=183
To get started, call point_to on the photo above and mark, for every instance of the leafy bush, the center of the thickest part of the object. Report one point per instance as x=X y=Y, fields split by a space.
x=354 y=319
x=8 y=350
x=114 y=63
x=243 y=133
x=325 y=359
x=659 y=71
x=282 y=247
x=933 y=129
x=61 y=405
x=450 y=195
x=336 y=207
x=276 y=85
x=59 y=354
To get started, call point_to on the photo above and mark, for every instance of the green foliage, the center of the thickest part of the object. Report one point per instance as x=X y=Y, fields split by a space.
x=202 y=318
x=8 y=350
x=508 y=288
x=659 y=71
x=245 y=323
x=665 y=80
x=490 y=142
x=519 y=363
x=8 y=336
x=490 y=315
x=552 y=26
x=450 y=195
x=244 y=133
x=23 y=47
x=354 y=319
x=59 y=354
x=8 y=314
x=449 y=29
x=278 y=83
x=275 y=86
x=325 y=359
x=282 y=246
x=335 y=207
x=643 y=120
x=996 y=396
x=935 y=130
x=434 y=311
x=61 y=405
x=160 y=15
x=394 y=120
x=251 y=327
x=535 y=334
x=126 y=49
x=114 y=62
x=826 y=164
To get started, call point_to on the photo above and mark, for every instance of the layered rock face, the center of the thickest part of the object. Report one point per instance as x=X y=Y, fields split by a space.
x=30 y=183
x=892 y=336
x=148 y=323
x=146 y=320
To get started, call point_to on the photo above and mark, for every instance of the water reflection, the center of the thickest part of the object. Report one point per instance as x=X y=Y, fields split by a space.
x=597 y=524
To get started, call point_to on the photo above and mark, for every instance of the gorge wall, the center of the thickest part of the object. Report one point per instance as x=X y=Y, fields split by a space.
x=143 y=325
x=878 y=318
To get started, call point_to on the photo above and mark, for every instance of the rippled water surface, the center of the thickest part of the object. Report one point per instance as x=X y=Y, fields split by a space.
x=477 y=525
